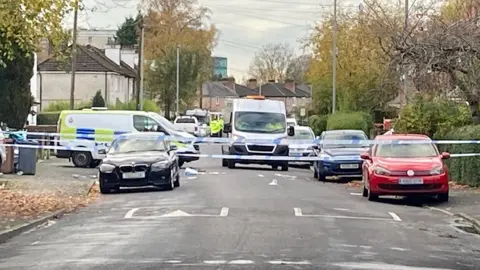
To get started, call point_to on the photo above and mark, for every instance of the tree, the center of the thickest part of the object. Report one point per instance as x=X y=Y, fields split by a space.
x=297 y=69
x=364 y=79
x=171 y=24
x=98 y=100
x=127 y=33
x=25 y=22
x=271 y=62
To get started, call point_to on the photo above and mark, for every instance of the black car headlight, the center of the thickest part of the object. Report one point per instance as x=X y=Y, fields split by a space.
x=106 y=168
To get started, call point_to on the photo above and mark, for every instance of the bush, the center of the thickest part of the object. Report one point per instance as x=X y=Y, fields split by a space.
x=58 y=106
x=97 y=100
x=432 y=116
x=47 y=118
x=148 y=106
x=356 y=120
x=318 y=123
x=463 y=170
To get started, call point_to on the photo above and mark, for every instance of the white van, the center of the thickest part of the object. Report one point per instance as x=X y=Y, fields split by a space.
x=103 y=125
x=257 y=119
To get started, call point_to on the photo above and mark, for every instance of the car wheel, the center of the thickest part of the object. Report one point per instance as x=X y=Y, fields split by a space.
x=224 y=163
x=285 y=167
x=95 y=163
x=443 y=197
x=371 y=196
x=103 y=189
x=177 y=179
x=321 y=177
x=315 y=173
x=171 y=185
x=81 y=159
x=231 y=164
x=365 y=192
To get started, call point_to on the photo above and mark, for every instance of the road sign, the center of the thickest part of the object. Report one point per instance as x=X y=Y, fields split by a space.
x=302 y=112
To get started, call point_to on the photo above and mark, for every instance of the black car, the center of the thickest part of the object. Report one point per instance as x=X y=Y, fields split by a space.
x=136 y=161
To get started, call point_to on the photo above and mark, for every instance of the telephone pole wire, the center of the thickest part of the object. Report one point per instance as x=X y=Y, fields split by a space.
x=74 y=56
x=334 y=57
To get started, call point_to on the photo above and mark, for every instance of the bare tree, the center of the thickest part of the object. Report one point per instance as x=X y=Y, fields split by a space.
x=298 y=67
x=271 y=62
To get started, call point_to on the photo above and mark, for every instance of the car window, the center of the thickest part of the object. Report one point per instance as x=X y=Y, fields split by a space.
x=406 y=150
x=357 y=136
x=303 y=135
x=143 y=123
x=185 y=121
x=131 y=145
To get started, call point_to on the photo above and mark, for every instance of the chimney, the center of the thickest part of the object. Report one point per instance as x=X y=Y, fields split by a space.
x=252 y=83
x=113 y=53
x=290 y=85
x=129 y=56
x=229 y=82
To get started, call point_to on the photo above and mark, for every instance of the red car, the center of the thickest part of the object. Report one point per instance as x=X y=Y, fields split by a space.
x=404 y=169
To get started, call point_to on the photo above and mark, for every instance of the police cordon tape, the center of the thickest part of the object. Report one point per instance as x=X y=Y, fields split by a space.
x=184 y=153
x=215 y=140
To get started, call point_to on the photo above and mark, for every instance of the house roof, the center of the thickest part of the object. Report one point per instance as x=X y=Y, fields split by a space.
x=89 y=59
x=278 y=90
x=217 y=89
x=244 y=91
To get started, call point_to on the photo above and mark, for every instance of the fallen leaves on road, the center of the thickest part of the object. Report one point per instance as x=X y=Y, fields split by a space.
x=24 y=205
x=354 y=184
x=455 y=185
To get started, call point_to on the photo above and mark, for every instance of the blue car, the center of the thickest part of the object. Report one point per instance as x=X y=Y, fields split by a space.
x=339 y=160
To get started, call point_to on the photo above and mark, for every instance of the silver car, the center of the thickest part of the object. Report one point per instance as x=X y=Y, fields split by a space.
x=301 y=145
x=3 y=155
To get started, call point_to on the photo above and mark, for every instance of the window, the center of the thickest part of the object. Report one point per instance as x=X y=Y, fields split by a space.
x=334 y=136
x=185 y=120
x=130 y=145
x=302 y=134
x=217 y=101
x=260 y=122
x=406 y=150
x=143 y=123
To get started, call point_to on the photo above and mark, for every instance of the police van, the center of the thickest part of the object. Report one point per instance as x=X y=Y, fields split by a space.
x=101 y=126
x=257 y=119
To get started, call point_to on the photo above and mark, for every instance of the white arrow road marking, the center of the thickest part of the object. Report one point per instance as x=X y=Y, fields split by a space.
x=298 y=212
x=224 y=212
x=241 y=262
x=273 y=183
x=355 y=193
x=341 y=209
x=214 y=262
x=130 y=213
x=395 y=216
x=213 y=173
x=285 y=176
x=381 y=266
x=261 y=175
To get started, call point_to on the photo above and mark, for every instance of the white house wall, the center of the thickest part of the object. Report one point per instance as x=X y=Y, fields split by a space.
x=55 y=86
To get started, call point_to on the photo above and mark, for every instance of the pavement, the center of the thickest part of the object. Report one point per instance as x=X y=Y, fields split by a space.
x=246 y=218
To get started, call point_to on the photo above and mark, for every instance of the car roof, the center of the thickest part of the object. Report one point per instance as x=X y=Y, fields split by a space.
x=403 y=137
x=343 y=131
x=302 y=128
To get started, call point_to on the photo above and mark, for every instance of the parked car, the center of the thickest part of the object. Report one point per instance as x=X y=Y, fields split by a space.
x=191 y=125
x=137 y=160
x=3 y=151
x=405 y=169
x=341 y=160
x=292 y=122
x=298 y=146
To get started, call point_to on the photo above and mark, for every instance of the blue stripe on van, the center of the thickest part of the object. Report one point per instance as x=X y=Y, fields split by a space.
x=119 y=132
x=81 y=132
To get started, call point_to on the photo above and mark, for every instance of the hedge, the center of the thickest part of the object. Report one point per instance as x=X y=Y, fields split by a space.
x=47 y=118
x=318 y=123
x=463 y=170
x=355 y=120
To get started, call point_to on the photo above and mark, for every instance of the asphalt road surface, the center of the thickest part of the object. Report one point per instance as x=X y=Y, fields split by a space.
x=245 y=219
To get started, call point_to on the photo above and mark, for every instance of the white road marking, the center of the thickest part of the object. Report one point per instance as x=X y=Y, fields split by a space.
x=382 y=266
x=173 y=261
x=341 y=209
x=274 y=182
x=446 y=212
x=241 y=262
x=130 y=213
x=399 y=249
x=261 y=175
x=348 y=245
x=224 y=212
x=177 y=213
x=298 y=212
x=366 y=247
x=345 y=217
x=289 y=262
x=395 y=216
x=214 y=262
x=213 y=173
x=191 y=178
x=285 y=175
x=356 y=193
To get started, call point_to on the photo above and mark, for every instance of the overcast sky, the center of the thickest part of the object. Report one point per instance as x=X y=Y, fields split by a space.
x=244 y=25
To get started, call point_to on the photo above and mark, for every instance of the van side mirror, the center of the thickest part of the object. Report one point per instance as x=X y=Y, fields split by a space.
x=291 y=131
x=445 y=155
x=173 y=147
x=227 y=127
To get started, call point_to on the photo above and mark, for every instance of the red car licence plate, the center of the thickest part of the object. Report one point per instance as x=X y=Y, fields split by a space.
x=410 y=181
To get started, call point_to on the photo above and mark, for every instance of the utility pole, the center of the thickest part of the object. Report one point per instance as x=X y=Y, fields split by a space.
x=142 y=61
x=74 y=56
x=139 y=72
x=260 y=89
x=178 y=81
x=405 y=69
x=334 y=57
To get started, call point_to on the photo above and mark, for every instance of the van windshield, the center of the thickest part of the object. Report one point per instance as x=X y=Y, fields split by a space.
x=260 y=122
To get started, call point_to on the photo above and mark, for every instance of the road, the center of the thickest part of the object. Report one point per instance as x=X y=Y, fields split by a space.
x=245 y=219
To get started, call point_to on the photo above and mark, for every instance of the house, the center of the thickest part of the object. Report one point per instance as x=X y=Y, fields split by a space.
x=214 y=94
x=109 y=70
